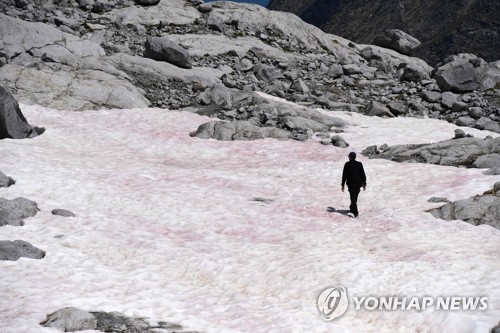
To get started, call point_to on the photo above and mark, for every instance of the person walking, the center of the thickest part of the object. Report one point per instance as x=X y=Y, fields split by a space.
x=354 y=175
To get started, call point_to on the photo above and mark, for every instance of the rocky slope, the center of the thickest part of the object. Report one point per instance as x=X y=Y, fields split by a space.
x=444 y=27
x=211 y=57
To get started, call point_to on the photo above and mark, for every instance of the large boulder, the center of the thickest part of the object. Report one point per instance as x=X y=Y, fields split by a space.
x=482 y=209
x=457 y=74
x=13 y=125
x=13 y=250
x=377 y=109
x=237 y=130
x=164 y=49
x=147 y=2
x=13 y=212
x=71 y=320
x=454 y=152
x=397 y=40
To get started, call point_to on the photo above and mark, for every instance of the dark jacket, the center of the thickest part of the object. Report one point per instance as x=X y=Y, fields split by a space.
x=354 y=174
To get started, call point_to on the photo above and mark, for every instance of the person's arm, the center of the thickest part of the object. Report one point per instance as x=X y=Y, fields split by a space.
x=363 y=176
x=344 y=177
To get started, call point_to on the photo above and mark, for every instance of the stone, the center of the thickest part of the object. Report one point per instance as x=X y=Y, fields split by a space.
x=397 y=40
x=476 y=112
x=453 y=152
x=377 y=109
x=62 y=212
x=397 y=108
x=351 y=69
x=413 y=73
x=205 y=8
x=13 y=212
x=13 y=124
x=339 y=141
x=215 y=21
x=456 y=77
x=6 y=181
x=13 y=250
x=487 y=161
x=237 y=130
x=431 y=96
x=71 y=320
x=335 y=71
x=164 y=49
x=465 y=121
x=448 y=98
x=488 y=124
x=493 y=171
x=459 y=133
x=459 y=107
x=478 y=210
x=436 y=199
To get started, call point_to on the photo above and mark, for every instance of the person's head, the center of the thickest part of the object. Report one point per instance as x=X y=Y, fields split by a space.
x=352 y=155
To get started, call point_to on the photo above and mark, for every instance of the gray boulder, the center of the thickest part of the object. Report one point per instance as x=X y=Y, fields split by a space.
x=13 y=125
x=454 y=152
x=487 y=161
x=339 y=141
x=413 y=73
x=237 y=130
x=13 y=212
x=483 y=209
x=457 y=76
x=71 y=320
x=164 y=49
x=448 y=98
x=488 y=124
x=6 y=181
x=14 y=250
x=431 y=96
x=62 y=212
x=493 y=171
x=397 y=40
x=377 y=109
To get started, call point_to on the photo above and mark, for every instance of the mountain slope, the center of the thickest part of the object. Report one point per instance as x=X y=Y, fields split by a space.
x=445 y=27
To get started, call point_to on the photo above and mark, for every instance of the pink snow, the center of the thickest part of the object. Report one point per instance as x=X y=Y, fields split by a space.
x=170 y=227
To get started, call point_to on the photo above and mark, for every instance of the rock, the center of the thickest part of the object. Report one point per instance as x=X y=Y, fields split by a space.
x=431 y=96
x=301 y=87
x=488 y=124
x=383 y=147
x=377 y=109
x=459 y=134
x=351 y=69
x=339 y=141
x=13 y=212
x=147 y=2
x=453 y=152
x=237 y=130
x=71 y=320
x=215 y=22
x=413 y=73
x=335 y=71
x=465 y=121
x=14 y=250
x=302 y=123
x=487 y=161
x=397 y=40
x=456 y=77
x=397 y=108
x=63 y=212
x=495 y=329
x=489 y=76
x=493 y=171
x=163 y=49
x=484 y=209
x=436 y=199
x=370 y=151
x=448 y=98
x=459 y=107
x=6 y=181
x=205 y=8
x=13 y=125
x=476 y=112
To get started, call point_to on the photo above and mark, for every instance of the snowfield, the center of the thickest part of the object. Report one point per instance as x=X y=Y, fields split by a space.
x=236 y=236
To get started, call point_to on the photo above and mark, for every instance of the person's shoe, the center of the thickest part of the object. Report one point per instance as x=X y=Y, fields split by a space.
x=350 y=214
x=356 y=215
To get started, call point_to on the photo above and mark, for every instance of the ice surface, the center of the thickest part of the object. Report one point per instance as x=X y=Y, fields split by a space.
x=169 y=227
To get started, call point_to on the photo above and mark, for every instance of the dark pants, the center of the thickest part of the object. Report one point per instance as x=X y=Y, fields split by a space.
x=354 y=192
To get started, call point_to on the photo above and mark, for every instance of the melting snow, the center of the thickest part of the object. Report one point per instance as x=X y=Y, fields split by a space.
x=172 y=228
